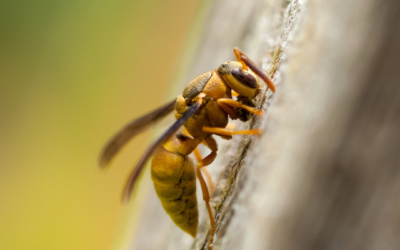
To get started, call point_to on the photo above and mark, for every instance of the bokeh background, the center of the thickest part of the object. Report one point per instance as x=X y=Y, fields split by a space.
x=71 y=74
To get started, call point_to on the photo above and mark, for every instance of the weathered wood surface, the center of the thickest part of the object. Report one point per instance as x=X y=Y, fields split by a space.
x=325 y=174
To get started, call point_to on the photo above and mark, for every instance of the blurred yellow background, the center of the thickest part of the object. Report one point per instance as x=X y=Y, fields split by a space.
x=71 y=74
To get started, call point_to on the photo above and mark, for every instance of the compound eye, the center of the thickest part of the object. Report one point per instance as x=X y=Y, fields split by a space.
x=245 y=78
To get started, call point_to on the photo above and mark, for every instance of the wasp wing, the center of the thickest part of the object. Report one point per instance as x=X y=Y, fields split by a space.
x=115 y=143
x=133 y=177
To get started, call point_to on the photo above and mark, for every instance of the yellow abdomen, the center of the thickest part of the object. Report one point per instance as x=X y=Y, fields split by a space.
x=174 y=180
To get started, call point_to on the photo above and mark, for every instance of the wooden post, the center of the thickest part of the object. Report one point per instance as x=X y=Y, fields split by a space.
x=325 y=174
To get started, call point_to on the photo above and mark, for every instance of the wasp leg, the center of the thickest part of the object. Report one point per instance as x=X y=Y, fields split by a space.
x=232 y=103
x=231 y=126
x=229 y=110
x=198 y=156
x=212 y=144
x=234 y=93
x=248 y=63
x=227 y=132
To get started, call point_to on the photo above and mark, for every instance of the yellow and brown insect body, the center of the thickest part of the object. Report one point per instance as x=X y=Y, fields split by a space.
x=203 y=109
x=172 y=170
x=174 y=178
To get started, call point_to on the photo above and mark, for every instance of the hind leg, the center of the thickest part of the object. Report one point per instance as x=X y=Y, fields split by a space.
x=199 y=158
x=205 y=171
x=212 y=144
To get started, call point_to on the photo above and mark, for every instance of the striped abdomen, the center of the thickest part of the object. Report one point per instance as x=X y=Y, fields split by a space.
x=174 y=179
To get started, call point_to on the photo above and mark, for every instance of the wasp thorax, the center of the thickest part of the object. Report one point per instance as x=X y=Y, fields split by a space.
x=241 y=81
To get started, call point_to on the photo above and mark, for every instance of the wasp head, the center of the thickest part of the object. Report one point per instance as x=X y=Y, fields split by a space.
x=241 y=81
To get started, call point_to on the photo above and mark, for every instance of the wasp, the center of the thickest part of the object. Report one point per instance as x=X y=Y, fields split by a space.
x=204 y=109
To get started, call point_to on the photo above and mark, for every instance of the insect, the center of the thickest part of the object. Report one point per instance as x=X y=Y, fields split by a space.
x=203 y=109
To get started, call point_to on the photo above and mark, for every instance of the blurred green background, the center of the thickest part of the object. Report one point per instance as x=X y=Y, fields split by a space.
x=71 y=74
